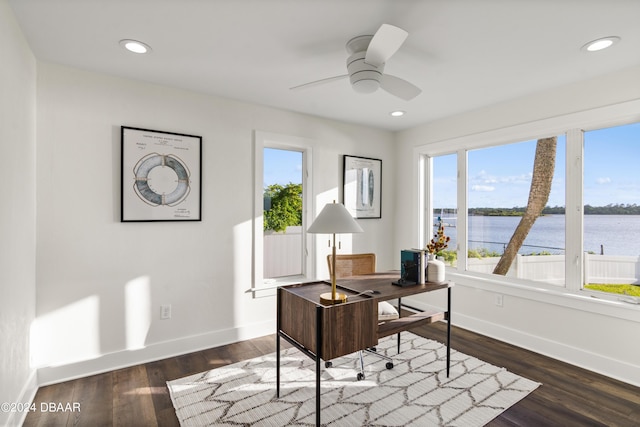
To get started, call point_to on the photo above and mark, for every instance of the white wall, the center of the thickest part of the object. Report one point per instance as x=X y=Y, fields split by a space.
x=17 y=213
x=91 y=267
x=594 y=334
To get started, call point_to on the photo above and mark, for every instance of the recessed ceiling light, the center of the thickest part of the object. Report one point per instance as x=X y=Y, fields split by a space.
x=601 y=43
x=135 y=46
x=397 y=113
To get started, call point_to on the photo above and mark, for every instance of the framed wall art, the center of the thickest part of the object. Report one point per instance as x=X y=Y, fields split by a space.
x=362 y=181
x=161 y=175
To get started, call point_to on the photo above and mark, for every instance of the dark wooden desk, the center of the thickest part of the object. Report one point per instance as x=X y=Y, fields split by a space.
x=325 y=332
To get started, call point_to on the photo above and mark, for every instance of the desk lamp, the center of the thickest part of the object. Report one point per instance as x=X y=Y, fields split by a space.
x=334 y=219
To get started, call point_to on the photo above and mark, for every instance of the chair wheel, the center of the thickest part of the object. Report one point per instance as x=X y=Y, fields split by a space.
x=360 y=376
x=328 y=364
x=389 y=365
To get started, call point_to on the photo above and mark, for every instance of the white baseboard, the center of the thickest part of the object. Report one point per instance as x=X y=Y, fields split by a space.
x=581 y=358
x=157 y=351
x=575 y=356
x=27 y=395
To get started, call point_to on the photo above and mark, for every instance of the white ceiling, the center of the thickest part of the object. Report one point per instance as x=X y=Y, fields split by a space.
x=463 y=54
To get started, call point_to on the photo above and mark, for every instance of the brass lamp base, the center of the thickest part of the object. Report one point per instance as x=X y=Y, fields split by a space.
x=328 y=300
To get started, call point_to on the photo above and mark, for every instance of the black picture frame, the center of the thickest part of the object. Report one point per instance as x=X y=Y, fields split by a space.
x=362 y=186
x=161 y=176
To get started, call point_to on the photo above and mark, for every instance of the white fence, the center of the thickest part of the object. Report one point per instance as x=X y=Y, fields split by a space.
x=283 y=257
x=550 y=268
x=283 y=253
x=611 y=269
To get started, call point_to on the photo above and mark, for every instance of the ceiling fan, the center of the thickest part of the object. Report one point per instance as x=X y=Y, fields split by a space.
x=365 y=64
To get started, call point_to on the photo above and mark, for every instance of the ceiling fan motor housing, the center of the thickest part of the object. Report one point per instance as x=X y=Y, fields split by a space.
x=365 y=78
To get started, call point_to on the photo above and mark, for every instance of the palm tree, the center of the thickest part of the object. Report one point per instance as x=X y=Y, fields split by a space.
x=543 y=168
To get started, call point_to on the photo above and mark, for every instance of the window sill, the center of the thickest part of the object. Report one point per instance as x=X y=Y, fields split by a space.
x=549 y=294
x=268 y=286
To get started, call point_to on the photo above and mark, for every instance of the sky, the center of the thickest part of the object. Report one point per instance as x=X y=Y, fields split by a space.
x=282 y=167
x=500 y=176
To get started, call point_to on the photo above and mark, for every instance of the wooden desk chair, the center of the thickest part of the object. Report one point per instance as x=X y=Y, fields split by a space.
x=354 y=265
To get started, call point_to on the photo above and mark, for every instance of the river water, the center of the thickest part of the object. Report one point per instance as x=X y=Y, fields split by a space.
x=616 y=234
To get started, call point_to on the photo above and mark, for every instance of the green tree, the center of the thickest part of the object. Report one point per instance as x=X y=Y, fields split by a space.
x=282 y=207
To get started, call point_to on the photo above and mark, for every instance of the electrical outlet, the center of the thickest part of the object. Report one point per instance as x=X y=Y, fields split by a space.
x=165 y=311
x=499 y=300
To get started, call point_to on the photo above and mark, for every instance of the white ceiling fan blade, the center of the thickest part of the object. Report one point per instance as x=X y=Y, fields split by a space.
x=399 y=87
x=319 y=82
x=386 y=41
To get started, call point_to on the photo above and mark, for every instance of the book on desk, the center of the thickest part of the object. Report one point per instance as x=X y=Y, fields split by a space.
x=412 y=267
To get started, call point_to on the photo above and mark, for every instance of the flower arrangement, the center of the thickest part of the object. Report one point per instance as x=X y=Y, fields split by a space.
x=440 y=240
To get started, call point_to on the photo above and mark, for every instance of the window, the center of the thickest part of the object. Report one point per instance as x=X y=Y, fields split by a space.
x=611 y=225
x=586 y=240
x=445 y=204
x=516 y=226
x=282 y=217
x=282 y=184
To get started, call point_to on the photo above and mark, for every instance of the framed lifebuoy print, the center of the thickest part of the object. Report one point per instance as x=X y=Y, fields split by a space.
x=362 y=181
x=161 y=176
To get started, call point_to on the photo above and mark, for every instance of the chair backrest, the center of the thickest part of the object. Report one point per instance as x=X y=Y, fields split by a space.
x=353 y=264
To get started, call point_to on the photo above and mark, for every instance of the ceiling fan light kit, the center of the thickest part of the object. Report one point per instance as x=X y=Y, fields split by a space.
x=364 y=77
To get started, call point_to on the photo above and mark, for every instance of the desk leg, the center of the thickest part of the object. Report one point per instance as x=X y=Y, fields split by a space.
x=448 y=330
x=318 y=347
x=278 y=308
x=399 y=313
x=278 y=364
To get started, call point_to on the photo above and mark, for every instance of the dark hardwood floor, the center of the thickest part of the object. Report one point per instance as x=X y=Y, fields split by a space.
x=138 y=396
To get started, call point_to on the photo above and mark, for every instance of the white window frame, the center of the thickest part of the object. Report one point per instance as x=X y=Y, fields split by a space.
x=425 y=174
x=573 y=126
x=264 y=140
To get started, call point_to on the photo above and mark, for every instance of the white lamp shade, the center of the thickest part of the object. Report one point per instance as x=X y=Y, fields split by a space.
x=334 y=219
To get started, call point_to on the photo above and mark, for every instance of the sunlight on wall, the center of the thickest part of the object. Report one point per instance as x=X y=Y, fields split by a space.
x=68 y=334
x=137 y=300
x=325 y=197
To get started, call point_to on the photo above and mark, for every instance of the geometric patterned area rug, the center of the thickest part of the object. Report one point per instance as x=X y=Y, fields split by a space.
x=416 y=392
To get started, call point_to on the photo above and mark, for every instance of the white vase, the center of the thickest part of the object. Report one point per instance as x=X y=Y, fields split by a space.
x=435 y=269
